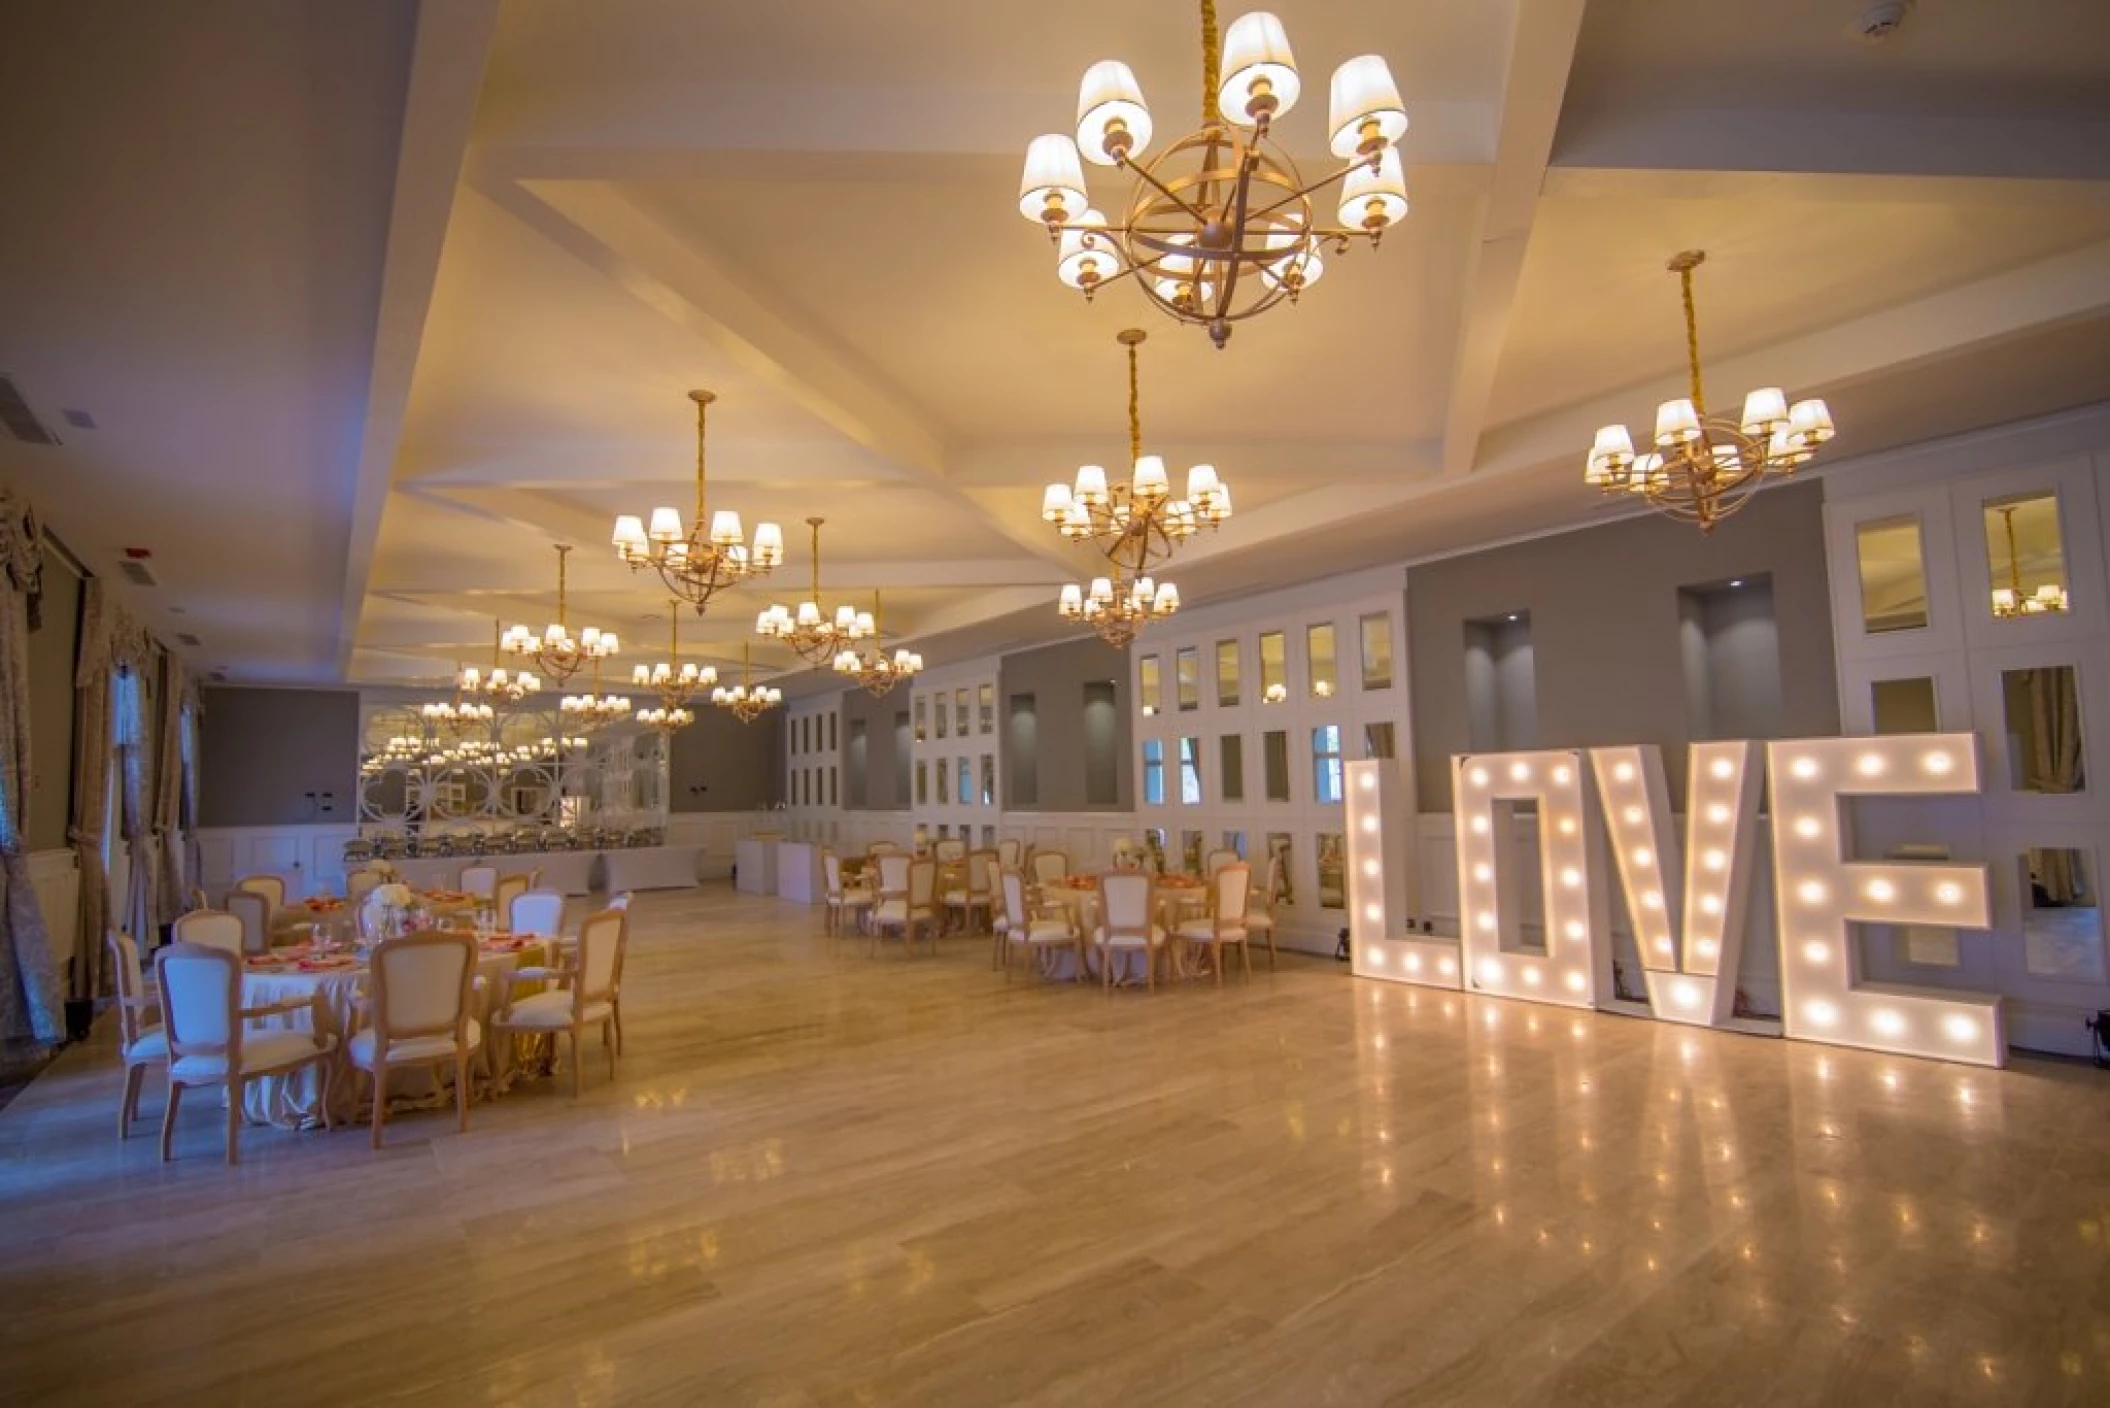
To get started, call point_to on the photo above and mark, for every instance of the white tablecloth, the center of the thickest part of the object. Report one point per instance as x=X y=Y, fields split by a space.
x=651 y=868
x=755 y=865
x=799 y=875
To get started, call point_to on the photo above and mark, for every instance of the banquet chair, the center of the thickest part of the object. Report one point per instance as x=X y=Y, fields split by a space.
x=1128 y=923
x=843 y=899
x=883 y=848
x=197 y=898
x=479 y=880
x=1260 y=913
x=1035 y=930
x=1049 y=865
x=508 y=889
x=418 y=996
x=254 y=910
x=1224 y=924
x=1007 y=853
x=620 y=902
x=271 y=887
x=585 y=992
x=906 y=894
x=950 y=850
x=1220 y=858
x=142 y=1040
x=537 y=912
x=202 y=1012
x=979 y=891
x=210 y=928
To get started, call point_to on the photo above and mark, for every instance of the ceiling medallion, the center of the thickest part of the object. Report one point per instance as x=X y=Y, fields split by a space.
x=557 y=653
x=1219 y=226
x=810 y=632
x=1137 y=524
x=877 y=671
x=747 y=700
x=1703 y=468
x=696 y=565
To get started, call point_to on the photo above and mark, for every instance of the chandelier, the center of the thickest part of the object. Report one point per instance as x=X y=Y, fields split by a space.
x=696 y=565
x=498 y=685
x=810 y=633
x=877 y=671
x=665 y=718
x=594 y=709
x=457 y=715
x=1136 y=525
x=2009 y=600
x=747 y=701
x=1220 y=226
x=1703 y=468
x=557 y=652
x=675 y=683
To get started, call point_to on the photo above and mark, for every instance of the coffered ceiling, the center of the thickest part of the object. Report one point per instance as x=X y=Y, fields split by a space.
x=374 y=304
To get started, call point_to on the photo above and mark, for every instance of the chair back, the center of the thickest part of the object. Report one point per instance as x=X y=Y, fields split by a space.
x=1007 y=853
x=949 y=850
x=508 y=889
x=358 y=885
x=922 y=883
x=1273 y=892
x=1015 y=899
x=211 y=928
x=893 y=873
x=832 y=869
x=1220 y=858
x=201 y=999
x=131 y=986
x=421 y=984
x=1125 y=902
x=883 y=848
x=254 y=910
x=1049 y=865
x=479 y=880
x=271 y=887
x=982 y=868
x=538 y=912
x=621 y=902
x=602 y=939
x=1234 y=886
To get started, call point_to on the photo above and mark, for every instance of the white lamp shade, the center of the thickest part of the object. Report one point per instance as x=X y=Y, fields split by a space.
x=1053 y=182
x=725 y=527
x=1765 y=410
x=1072 y=598
x=1202 y=483
x=666 y=525
x=1812 y=420
x=1054 y=503
x=1149 y=481
x=1298 y=270
x=1374 y=200
x=1614 y=442
x=809 y=614
x=1676 y=423
x=1110 y=99
x=1091 y=484
x=1256 y=52
x=1102 y=589
x=1166 y=600
x=1087 y=249
x=769 y=544
x=1364 y=93
x=629 y=531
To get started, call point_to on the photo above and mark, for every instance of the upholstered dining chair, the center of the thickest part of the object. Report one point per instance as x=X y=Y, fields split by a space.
x=1008 y=853
x=537 y=912
x=884 y=848
x=621 y=901
x=1220 y=858
x=949 y=850
x=978 y=893
x=480 y=881
x=254 y=910
x=211 y=928
x=843 y=899
x=1049 y=866
x=1128 y=923
x=418 y=1006
x=142 y=1041
x=271 y=887
x=508 y=889
x=209 y=1044
x=1034 y=929
x=1224 y=925
x=1260 y=910
x=907 y=899
x=587 y=992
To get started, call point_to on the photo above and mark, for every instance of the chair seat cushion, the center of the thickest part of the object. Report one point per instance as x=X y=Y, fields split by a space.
x=1157 y=936
x=261 y=1051
x=854 y=897
x=153 y=1045
x=1201 y=931
x=405 y=1049
x=957 y=897
x=1042 y=931
x=1262 y=922
x=551 y=1011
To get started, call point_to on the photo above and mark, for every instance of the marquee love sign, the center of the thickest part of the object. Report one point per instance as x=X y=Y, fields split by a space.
x=1690 y=918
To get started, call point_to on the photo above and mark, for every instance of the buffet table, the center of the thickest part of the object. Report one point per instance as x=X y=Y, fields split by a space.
x=799 y=875
x=570 y=872
x=651 y=868
x=755 y=864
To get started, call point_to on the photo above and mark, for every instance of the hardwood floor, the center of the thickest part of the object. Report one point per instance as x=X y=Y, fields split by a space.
x=822 y=1178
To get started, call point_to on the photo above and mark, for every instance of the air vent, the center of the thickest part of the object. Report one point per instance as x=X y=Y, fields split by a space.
x=186 y=638
x=79 y=420
x=19 y=420
x=138 y=573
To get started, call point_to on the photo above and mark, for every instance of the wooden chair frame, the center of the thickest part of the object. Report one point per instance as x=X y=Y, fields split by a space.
x=386 y=1034
x=234 y=1077
x=572 y=975
x=135 y=1005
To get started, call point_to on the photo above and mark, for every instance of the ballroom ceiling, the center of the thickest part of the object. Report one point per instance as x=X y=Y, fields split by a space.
x=373 y=304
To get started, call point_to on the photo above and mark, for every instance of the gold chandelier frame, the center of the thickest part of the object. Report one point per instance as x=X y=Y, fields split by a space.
x=713 y=553
x=556 y=652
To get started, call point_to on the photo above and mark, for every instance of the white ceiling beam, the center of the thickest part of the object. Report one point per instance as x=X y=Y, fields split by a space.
x=449 y=53
x=1823 y=188
x=1541 y=55
x=2063 y=288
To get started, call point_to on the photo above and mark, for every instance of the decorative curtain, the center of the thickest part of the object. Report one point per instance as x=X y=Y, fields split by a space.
x=110 y=641
x=30 y=1001
x=135 y=815
x=170 y=755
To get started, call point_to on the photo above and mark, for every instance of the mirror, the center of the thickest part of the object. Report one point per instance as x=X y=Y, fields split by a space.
x=919 y=719
x=1893 y=575
x=1191 y=852
x=1274 y=672
x=1226 y=673
x=1274 y=749
x=1333 y=870
x=985 y=701
x=2062 y=917
x=1326 y=763
x=1319 y=655
x=1190 y=772
x=1149 y=686
x=1376 y=632
x=1154 y=772
x=2043 y=716
x=1231 y=756
x=1278 y=855
x=1378 y=740
x=1904 y=706
x=1187 y=677
x=2024 y=557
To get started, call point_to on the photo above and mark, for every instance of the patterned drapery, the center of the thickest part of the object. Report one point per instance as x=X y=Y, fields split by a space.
x=169 y=753
x=30 y=999
x=111 y=641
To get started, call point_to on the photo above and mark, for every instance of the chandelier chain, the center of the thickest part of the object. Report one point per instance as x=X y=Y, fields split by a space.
x=702 y=407
x=1692 y=339
x=1212 y=65
x=1135 y=408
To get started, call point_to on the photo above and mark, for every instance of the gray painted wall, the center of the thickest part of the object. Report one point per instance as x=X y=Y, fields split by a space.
x=1605 y=628
x=885 y=775
x=52 y=648
x=722 y=765
x=263 y=750
x=1056 y=677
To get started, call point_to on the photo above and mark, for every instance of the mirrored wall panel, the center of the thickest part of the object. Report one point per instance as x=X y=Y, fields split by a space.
x=2025 y=559
x=1893 y=574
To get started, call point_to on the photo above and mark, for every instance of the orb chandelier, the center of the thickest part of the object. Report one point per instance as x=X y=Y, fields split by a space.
x=498 y=685
x=1220 y=226
x=810 y=632
x=1136 y=524
x=877 y=671
x=746 y=700
x=558 y=653
x=666 y=719
x=457 y=715
x=674 y=682
x=2010 y=600
x=1704 y=468
x=593 y=709
x=697 y=564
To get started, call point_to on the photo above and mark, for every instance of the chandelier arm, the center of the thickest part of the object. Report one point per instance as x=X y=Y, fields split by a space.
x=1212 y=65
x=1307 y=192
x=1143 y=173
x=1227 y=285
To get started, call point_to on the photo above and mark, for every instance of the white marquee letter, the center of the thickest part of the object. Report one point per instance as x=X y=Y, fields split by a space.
x=1485 y=788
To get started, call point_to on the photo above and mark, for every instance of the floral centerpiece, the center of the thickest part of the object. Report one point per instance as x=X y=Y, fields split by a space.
x=388 y=910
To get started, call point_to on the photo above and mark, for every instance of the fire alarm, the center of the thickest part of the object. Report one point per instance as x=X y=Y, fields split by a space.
x=1882 y=19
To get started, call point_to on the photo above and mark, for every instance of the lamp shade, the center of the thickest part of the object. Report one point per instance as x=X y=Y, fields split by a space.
x=1091 y=484
x=1149 y=481
x=1812 y=420
x=1259 y=72
x=1112 y=118
x=666 y=525
x=1365 y=107
x=725 y=527
x=1087 y=256
x=1052 y=185
x=1375 y=199
x=1072 y=599
x=1676 y=423
x=1765 y=411
x=769 y=543
x=629 y=531
x=1054 y=503
x=1202 y=483
x=1614 y=444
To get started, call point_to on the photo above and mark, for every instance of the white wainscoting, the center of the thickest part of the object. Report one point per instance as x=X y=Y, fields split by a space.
x=715 y=832
x=309 y=858
x=55 y=878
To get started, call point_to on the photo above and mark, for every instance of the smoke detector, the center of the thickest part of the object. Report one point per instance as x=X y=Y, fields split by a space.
x=1881 y=19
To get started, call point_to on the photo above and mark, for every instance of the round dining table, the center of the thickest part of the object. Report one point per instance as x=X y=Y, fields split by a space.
x=1178 y=897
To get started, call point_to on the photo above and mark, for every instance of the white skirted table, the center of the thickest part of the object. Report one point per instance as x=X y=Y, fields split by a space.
x=799 y=874
x=755 y=864
x=570 y=872
x=651 y=868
